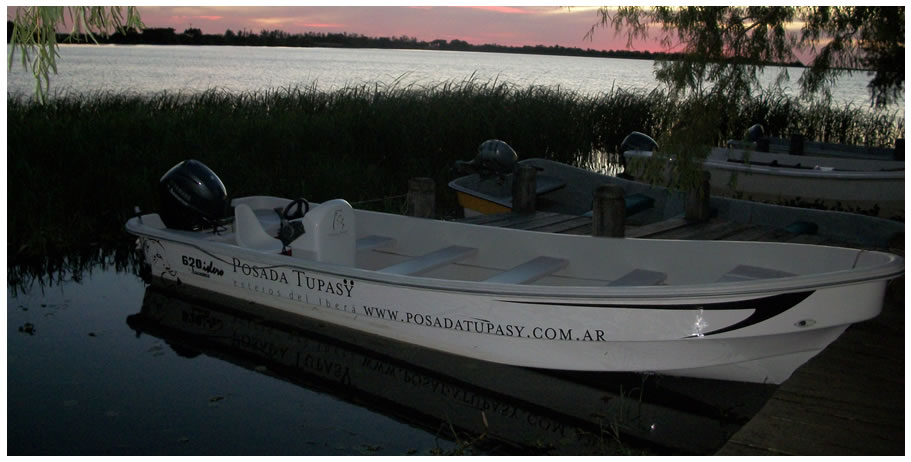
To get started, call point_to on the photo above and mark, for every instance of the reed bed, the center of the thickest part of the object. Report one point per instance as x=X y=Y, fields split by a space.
x=78 y=165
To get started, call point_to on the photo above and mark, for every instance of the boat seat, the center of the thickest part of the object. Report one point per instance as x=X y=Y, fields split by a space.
x=330 y=233
x=636 y=203
x=802 y=227
x=639 y=277
x=530 y=271
x=633 y=204
x=749 y=273
x=430 y=261
x=249 y=232
x=374 y=242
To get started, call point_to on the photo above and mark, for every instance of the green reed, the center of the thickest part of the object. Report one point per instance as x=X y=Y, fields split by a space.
x=78 y=165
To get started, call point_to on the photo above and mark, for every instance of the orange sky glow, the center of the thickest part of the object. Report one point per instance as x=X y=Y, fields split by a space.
x=502 y=25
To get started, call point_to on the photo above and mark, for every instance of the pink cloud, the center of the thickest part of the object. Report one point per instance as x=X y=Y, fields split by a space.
x=501 y=9
x=504 y=25
x=190 y=18
x=320 y=25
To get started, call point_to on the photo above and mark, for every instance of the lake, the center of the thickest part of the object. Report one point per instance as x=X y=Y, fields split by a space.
x=102 y=363
x=147 y=69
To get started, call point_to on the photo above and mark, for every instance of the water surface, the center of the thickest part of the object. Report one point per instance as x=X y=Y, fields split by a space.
x=149 y=69
x=104 y=363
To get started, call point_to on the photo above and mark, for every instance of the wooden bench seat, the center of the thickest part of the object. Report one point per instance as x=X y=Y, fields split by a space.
x=530 y=271
x=430 y=261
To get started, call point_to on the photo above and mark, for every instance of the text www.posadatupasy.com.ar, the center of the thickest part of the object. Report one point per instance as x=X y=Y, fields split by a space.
x=479 y=326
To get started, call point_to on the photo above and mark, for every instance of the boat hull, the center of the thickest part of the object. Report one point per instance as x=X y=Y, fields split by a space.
x=742 y=337
x=868 y=187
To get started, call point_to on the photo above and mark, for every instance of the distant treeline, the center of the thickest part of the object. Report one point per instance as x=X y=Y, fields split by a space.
x=272 y=38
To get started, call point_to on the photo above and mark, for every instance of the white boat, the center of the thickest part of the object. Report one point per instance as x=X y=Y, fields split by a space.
x=741 y=311
x=870 y=187
x=569 y=190
x=799 y=146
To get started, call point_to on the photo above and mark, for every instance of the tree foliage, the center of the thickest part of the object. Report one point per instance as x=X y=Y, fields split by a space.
x=727 y=47
x=34 y=34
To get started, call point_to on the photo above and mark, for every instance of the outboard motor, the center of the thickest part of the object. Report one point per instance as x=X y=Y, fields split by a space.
x=193 y=197
x=755 y=133
x=637 y=141
x=494 y=158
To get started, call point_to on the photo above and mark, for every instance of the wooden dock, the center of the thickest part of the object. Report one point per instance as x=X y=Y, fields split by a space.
x=848 y=400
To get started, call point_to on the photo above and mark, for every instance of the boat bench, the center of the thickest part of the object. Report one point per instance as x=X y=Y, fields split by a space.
x=639 y=277
x=374 y=242
x=636 y=203
x=633 y=204
x=749 y=273
x=430 y=261
x=802 y=227
x=530 y=271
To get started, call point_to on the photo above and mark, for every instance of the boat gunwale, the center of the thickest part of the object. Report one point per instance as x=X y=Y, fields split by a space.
x=893 y=267
x=725 y=164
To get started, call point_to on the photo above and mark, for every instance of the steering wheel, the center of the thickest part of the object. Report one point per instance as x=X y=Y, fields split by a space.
x=302 y=207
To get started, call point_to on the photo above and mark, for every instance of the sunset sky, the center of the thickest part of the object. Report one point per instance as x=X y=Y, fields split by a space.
x=503 y=25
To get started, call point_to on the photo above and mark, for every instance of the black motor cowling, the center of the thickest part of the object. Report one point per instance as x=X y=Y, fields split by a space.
x=494 y=158
x=638 y=141
x=755 y=133
x=192 y=197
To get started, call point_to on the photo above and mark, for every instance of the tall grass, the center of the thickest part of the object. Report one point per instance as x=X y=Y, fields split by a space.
x=78 y=165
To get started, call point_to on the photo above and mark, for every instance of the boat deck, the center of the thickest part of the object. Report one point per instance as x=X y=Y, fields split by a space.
x=849 y=400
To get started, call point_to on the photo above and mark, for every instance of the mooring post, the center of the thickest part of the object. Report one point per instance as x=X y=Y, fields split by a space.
x=697 y=200
x=421 y=199
x=796 y=146
x=608 y=211
x=524 y=189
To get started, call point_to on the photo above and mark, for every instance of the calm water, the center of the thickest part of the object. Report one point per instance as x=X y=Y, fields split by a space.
x=103 y=363
x=150 y=69
x=82 y=381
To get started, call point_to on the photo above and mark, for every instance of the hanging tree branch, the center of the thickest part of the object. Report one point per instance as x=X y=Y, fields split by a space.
x=34 y=35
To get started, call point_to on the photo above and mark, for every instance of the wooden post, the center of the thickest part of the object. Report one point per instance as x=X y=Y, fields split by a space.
x=421 y=199
x=796 y=147
x=608 y=211
x=697 y=200
x=899 y=149
x=524 y=189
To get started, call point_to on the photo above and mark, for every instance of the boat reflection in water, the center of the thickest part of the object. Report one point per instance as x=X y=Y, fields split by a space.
x=517 y=410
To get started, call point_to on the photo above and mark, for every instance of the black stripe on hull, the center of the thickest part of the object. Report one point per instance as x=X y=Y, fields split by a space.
x=763 y=308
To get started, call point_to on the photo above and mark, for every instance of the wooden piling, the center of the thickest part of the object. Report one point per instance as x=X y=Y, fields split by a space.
x=608 y=211
x=697 y=200
x=421 y=199
x=796 y=146
x=524 y=189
